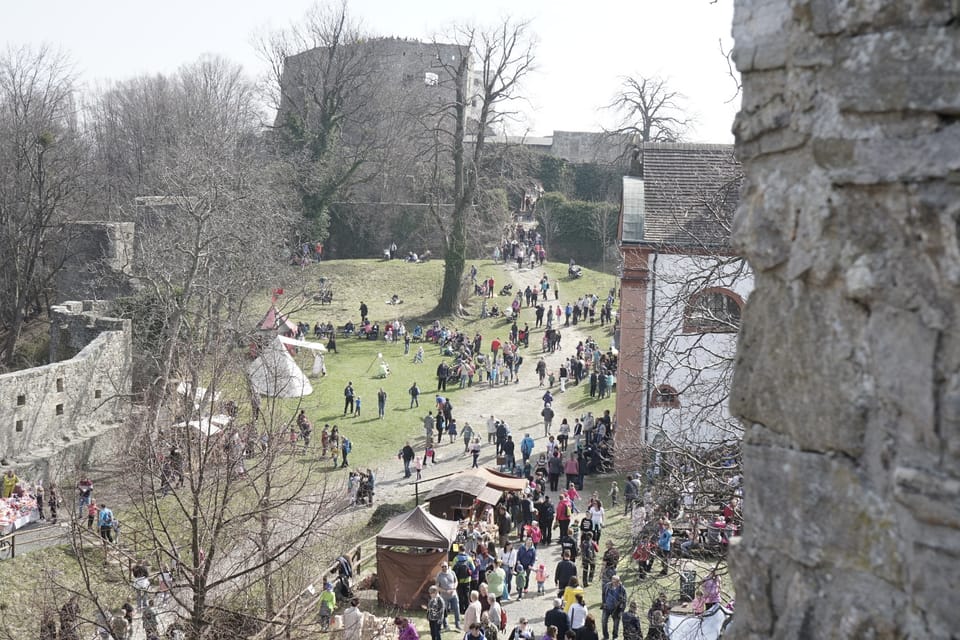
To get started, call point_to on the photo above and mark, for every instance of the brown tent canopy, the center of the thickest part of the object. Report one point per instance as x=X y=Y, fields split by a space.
x=459 y=493
x=404 y=576
x=498 y=480
x=418 y=528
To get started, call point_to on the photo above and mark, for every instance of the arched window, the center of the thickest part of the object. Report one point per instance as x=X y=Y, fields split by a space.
x=713 y=310
x=665 y=396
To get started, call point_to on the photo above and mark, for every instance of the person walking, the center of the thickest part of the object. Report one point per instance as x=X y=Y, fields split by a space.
x=614 y=604
x=467 y=436
x=381 y=402
x=548 y=415
x=415 y=396
x=407 y=454
x=348 y=395
x=475 y=452
x=105 y=522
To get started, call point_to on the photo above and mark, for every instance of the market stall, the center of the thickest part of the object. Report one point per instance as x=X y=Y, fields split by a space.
x=16 y=513
x=454 y=499
x=410 y=549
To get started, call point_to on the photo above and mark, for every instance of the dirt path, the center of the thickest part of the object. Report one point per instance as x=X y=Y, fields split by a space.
x=519 y=404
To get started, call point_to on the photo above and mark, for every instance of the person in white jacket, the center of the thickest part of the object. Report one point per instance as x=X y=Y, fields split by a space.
x=352 y=621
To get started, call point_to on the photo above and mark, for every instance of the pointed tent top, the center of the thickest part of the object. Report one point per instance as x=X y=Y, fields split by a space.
x=418 y=528
x=275 y=373
x=273 y=320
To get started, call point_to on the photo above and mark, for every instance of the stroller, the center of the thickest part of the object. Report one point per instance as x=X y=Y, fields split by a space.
x=364 y=491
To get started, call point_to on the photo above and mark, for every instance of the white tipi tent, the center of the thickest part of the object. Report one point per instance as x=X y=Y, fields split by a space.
x=274 y=373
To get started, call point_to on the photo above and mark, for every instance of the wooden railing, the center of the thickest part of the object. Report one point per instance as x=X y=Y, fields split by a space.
x=306 y=601
x=8 y=543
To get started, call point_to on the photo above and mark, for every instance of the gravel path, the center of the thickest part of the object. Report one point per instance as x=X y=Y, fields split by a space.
x=519 y=404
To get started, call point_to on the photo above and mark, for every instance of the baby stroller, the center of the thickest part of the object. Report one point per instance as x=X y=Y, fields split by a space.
x=364 y=492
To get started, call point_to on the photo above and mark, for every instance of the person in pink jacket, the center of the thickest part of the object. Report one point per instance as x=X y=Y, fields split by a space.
x=405 y=629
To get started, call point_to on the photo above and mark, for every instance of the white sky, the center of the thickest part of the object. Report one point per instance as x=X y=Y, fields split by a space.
x=584 y=48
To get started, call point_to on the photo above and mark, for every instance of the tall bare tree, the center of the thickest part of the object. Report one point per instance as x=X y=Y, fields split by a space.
x=503 y=56
x=225 y=211
x=649 y=110
x=42 y=159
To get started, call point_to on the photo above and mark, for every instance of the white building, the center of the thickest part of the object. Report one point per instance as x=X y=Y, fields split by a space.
x=682 y=292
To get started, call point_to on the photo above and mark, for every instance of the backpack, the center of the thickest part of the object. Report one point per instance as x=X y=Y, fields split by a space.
x=347 y=446
x=106 y=519
x=461 y=570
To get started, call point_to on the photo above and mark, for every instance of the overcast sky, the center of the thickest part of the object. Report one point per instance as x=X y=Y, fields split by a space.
x=584 y=47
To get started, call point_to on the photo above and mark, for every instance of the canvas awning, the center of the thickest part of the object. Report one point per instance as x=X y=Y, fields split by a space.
x=303 y=344
x=498 y=480
x=469 y=484
x=200 y=394
x=418 y=528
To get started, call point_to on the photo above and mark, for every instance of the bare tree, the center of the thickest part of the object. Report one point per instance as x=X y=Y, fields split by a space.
x=132 y=124
x=649 y=111
x=504 y=56
x=604 y=222
x=230 y=510
x=42 y=159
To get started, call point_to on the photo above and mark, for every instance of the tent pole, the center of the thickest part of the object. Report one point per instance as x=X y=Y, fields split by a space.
x=416 y=492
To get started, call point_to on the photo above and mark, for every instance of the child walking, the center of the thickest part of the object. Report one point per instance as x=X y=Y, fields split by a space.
x=356 y=405
x=614 y=492
x=520 y=580
x=541 y=577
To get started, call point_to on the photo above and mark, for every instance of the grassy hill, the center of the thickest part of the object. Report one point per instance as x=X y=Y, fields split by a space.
x=418 y=285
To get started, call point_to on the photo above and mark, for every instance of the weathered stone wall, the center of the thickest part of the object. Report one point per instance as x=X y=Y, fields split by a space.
x=848 y=374
x=83 y=393
x=589 y=147
x=99 y=262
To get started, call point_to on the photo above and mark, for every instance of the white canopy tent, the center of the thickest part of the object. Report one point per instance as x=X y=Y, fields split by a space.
x=201 y=395
x=274 y=373
x=707 y=626
x=208 y=425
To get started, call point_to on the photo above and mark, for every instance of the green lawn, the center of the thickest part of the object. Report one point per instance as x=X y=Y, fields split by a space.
x=418 y=285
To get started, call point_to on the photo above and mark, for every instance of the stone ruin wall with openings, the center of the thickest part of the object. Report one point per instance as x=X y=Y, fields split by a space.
x=52 y=415
x=848 y=372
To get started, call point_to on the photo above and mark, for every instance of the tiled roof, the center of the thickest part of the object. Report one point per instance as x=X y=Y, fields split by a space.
x=690 y=192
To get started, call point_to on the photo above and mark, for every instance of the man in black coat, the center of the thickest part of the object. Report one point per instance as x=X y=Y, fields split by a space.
x=443 y=370
x=557 y=618
x=545 y=514
x=565 y=570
